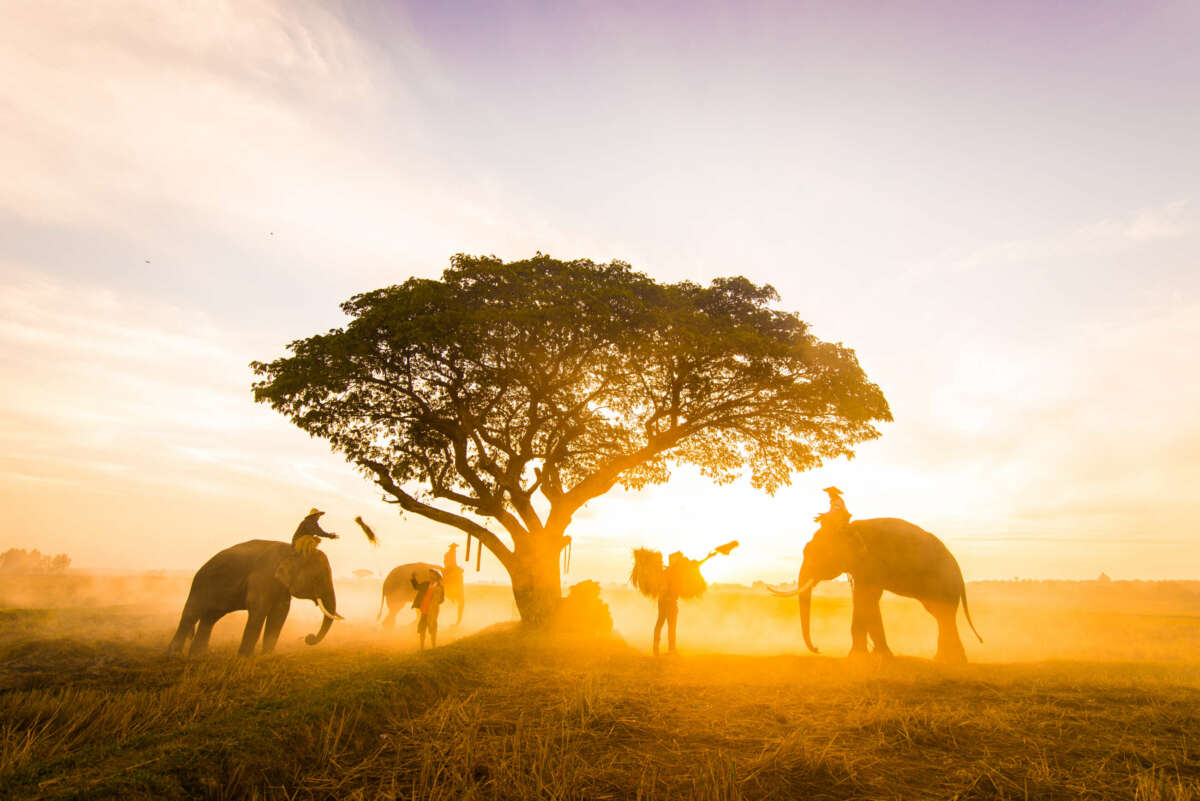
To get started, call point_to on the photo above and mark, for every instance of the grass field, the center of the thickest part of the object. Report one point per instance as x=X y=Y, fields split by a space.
x=89 y=707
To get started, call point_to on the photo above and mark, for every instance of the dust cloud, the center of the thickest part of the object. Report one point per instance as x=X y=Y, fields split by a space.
x=1019 y=620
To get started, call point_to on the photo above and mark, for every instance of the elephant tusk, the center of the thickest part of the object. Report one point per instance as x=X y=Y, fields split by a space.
x=808 y=585
x=327 y=613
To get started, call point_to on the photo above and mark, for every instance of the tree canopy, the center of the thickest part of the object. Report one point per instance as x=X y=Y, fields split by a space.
x=519 y=391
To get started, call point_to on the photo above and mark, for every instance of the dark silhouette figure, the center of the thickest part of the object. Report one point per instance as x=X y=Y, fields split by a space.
x=837 y=516
x=428 y=601
x=309 y=533
x=885 y=554
x=680 y=579
x=668 y=600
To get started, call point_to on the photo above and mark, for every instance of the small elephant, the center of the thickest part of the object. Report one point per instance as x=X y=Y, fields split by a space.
x=885 y=554
x=260 y=576
x=398 y=592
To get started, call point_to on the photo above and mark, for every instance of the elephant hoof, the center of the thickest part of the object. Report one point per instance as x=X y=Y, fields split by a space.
x=885 y=654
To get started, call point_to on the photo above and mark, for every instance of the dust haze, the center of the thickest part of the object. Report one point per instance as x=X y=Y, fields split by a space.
x=1019 y=620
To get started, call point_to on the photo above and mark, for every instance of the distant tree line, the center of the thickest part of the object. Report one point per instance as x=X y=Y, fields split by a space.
x=19 y=560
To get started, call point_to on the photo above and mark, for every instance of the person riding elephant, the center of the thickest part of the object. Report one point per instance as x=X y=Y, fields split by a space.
x=262 y=577
x=398 y=592
x=885 y=554
x=838 y=515
x=309 y=533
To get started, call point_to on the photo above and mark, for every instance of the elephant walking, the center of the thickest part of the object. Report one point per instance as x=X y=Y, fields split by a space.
x=261 y=577
x=399 y=593
x=885 y=554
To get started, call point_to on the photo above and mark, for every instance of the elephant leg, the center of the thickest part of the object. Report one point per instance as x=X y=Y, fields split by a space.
x=274 y=624
x=390 y=621
x=186 y=630
x=874 y=619
x=460 y=605
x=858 y=622
x=203 y=632
x=949 y=647
x=254 y=627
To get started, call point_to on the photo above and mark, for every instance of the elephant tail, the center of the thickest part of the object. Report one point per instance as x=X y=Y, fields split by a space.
x=967 y=612
x=382 y=598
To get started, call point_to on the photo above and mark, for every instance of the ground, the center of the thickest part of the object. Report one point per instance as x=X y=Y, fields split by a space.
x=90 y=708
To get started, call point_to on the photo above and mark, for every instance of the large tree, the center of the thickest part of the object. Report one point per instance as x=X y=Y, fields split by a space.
x=520 y=391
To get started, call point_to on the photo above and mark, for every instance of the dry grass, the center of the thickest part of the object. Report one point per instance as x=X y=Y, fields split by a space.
x=89 y=708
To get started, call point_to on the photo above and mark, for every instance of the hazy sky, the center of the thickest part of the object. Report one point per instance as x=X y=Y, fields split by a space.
x=996 y=204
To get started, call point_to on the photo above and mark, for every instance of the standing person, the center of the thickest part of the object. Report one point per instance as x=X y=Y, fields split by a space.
x=309 y=532
x=681 y=578
x=450 y=558
x=668 y=600
x=837 y=516
x=430 y=596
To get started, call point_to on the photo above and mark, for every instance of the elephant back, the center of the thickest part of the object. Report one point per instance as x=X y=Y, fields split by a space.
x=245 y=557
x=399 y=579
x=910 y=561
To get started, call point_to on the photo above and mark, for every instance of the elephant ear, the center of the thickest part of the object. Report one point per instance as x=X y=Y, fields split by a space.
x=286 y=571
x=856 y=540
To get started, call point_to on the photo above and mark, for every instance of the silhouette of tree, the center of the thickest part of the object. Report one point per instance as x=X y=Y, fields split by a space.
x=520 y=391
x=19 y=560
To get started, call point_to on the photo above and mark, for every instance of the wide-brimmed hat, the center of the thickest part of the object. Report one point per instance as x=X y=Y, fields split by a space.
x=453 y=545
x=832 y=490
x=314 y=511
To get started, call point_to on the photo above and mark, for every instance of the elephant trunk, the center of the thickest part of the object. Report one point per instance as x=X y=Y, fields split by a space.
x=329 y=610
x=805 y=597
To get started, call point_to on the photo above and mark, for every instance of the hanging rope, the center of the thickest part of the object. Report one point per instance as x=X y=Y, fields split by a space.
x=478 y=556
x=567 y=556
x=467 y=557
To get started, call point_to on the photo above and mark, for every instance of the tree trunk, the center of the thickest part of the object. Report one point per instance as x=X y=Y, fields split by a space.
x=536 y=583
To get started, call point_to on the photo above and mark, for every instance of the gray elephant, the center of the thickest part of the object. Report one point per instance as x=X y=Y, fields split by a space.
x=398 y=591
x=885 y=554
x=262 y=577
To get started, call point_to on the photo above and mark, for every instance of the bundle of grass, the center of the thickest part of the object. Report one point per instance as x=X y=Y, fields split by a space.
x=582 y=613
x=648 y=573
x=680 y=579
x=371 y=538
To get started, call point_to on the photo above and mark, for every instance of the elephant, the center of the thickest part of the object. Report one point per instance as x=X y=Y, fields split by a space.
x=398 y=591
x=262 y=577
x=885 y=554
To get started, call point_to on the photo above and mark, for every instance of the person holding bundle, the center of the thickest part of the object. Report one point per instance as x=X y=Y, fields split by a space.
x=681 y=578
x=428 y=602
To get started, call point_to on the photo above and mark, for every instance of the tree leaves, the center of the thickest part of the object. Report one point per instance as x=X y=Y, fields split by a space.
x=563 y=379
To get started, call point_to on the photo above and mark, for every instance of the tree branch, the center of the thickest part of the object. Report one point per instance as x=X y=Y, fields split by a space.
x=410 y=504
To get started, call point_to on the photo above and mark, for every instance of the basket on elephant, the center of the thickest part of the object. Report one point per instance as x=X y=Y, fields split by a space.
x=648 y=575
